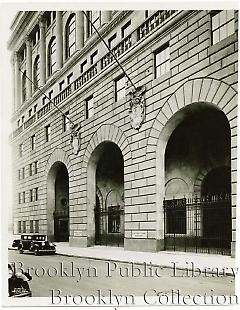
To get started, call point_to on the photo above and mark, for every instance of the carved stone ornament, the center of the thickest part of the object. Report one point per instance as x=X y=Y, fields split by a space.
x=137 y=107
x=75 y=139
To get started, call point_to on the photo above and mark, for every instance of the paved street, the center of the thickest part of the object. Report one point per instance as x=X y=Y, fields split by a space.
x=74 y=276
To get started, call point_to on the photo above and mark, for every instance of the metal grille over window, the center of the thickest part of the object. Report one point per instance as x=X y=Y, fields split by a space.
x=222 y=25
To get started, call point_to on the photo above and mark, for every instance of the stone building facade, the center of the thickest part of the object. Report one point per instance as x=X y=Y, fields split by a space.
x=151 y=162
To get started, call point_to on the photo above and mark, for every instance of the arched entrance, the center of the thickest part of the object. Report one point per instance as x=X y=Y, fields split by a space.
x=194 y=221
x=58 y=202
x=106 y=180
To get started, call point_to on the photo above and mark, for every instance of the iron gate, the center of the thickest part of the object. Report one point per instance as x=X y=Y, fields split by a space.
x=198 y=224
x=109 y=226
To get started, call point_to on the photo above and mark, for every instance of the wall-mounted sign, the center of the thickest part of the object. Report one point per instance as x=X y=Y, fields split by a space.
x=77 y=233
x=139 y=234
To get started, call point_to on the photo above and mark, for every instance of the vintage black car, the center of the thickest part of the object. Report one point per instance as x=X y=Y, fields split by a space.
x=36 y=243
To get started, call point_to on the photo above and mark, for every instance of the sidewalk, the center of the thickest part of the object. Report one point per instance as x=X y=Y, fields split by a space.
x=214 y=263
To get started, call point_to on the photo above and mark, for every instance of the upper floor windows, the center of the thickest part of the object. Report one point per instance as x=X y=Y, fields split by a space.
x=52 y=56
x=222 y=25
x=162 y=61
x=33 y=142
x=50 y=17
x=126 y=29
x=35 y=35
x=112 y=41
x=95 y=18
x=21 y=149
x=24 y=87
x=36 y=72
x=120 y=88
x=83 y=66
x=93 y=57
x=70 y=35
x=66 y=123
x=89 y=107
x=48 y=133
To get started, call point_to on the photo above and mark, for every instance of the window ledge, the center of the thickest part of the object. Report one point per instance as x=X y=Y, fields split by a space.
x=223 y=43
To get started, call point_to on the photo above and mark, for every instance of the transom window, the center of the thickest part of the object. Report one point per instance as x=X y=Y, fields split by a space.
x=95 y=18
x=222 y=25
x=162 y=61
x=120 y=88
x=52 y=56
x=70 y=36
x=89 y=107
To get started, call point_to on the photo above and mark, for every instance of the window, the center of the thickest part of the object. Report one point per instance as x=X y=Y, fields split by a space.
x=30 y=113
x=36 y=167
x=31 y=195
x=18 y=123
x=19 y=229
x=36 y=73
x=35 y=108
x=93 y=57
x=21 y=149
x=23 y=197
x=95 y=18
x=24 y=87
x=30 y=169
x=61 y=84
x=23 y=173
x=52 y=56
x=48 y=133
x=120 y=88
x=44 y=99
x=23 y=118
x=162 y=61
x=33 y=141
x=35 y=194
x=112 y=41
x=31 y=226
x=126 y=29
x=66 y=124
x=35 y=35
x=50 y=94
x=24 y=226
x=89 y=107
x=222 y=25
x=69 y=78
x=36 y=226
x=70 y=36
x=19 y=174
x=19 y=198
x=83 y=66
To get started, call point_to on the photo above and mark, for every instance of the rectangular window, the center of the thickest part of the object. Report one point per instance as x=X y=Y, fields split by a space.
x=222 y=25
x=30 y=113
x=95 y=18
x=36 y=226
x=19 y=198
x=35 y=194
x=23 y=197
x=19 y=229
x=83 y=66
x=31 y=226
x=50 y=94
x=48 y=133
x=120 y=88
x=33 y=142
x=69 y=78
x=19 y=174
x=35 y=108
x=36 y=167
x=23 y=119
x=66 y=123
x=112 y=41
x=162 y=61
x=18 y=123
x=44 y=100
x=23 y=172
x=93 y=57
x=61 y=84
x=30 y=169
x=126 y=29
x=21 y=149
x=31 y=195
x=89 y=107
x=24 y=226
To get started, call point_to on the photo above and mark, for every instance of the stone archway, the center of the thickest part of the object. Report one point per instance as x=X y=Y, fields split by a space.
x=188 y=97
x=106 y=134
x=58 y=166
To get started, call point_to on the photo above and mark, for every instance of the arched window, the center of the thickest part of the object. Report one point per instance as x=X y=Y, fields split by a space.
x=24 y=87
x=70 y=35
x=36 y=72
x=52 y=56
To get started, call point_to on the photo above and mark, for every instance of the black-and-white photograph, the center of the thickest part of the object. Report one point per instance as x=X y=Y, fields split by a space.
x=119 y=154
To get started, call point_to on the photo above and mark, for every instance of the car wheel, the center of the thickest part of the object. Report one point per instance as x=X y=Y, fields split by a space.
x=36 y=252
